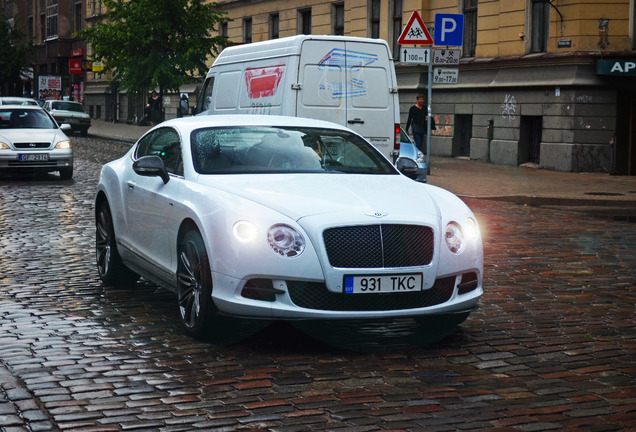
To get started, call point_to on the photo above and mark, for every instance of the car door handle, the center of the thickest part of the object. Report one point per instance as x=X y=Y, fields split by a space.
x=131 y=184
x=356 y=120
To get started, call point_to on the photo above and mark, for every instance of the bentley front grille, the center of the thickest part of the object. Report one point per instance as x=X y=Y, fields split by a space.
x=379 y=246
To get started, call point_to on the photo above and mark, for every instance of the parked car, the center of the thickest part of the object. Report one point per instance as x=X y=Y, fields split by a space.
x=14 y=100
x=69 y=112
x=411 y=161
x=31 y=140
x=282 y=218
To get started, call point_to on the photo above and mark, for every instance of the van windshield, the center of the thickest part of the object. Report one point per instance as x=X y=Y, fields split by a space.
x=241 y=150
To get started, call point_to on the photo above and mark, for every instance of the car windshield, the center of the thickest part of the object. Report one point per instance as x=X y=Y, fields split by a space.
x=16 y=118
x=67 y=106
x=241 y=150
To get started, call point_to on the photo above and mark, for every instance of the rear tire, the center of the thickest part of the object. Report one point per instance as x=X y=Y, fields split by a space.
x=112 y=271
x=194 y=285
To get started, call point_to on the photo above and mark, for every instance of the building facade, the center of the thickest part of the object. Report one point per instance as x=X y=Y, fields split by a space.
x=544 y=83
x=59 y=58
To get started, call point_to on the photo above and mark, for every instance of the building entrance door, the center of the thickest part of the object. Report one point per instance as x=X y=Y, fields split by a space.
x=462 y=135
x=530 y=139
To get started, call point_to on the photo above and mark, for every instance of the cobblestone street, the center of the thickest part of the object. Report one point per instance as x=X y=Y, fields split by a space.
x=552 y=346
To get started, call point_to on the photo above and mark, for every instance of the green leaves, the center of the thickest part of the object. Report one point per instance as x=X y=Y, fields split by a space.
x=14 y=53
x=156 y=43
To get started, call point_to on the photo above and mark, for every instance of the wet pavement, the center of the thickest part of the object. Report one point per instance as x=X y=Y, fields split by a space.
x=552 y=346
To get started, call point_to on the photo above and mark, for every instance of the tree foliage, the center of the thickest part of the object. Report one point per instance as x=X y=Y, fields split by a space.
x=14 y=54
x=150 y=43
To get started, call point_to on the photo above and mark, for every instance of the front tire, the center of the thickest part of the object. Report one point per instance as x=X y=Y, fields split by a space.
x=112 y=271
x=194 y=285
x=66 y=173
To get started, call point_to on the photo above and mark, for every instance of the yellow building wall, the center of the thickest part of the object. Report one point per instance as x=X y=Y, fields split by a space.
x=503 y=26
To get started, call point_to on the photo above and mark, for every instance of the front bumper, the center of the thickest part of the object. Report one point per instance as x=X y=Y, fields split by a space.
x=282 y=299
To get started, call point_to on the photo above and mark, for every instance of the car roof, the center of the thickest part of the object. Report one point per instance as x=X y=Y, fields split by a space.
x=20 y=106
x=16 y=100
x=202 y=121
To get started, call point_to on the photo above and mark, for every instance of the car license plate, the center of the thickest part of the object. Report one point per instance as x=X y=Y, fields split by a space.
x=33 y=157
x=378 y=284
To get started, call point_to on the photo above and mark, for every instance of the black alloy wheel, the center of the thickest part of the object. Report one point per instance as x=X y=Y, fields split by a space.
x=194 y=285
x=112 y=271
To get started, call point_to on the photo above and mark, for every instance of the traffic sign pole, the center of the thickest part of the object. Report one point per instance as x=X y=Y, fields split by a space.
x=428 y=117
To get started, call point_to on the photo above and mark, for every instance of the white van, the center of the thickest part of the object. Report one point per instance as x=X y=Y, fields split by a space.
x=343 y=79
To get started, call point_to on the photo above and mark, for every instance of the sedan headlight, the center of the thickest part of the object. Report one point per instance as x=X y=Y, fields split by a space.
x=4 y=146
x=285 y=240
x=65 y=145
x=457 y=235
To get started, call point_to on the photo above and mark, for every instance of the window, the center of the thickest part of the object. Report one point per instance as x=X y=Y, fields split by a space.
x=470 y=28
x=78 y=17
x=96 y=7
x=304 y=21
x=223 y=32
x=397 y=27
x=164 y=143
x=247 y=30
x=374 y=24
x=205 y=97
x=338 y=22
x=274 y=25
x=51 y=19
x=540 y=26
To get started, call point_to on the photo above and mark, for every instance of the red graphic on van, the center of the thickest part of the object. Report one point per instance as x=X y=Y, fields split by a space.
x=263 y=81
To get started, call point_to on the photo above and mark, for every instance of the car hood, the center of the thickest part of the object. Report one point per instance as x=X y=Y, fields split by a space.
x=303 y=195
x=33 y=135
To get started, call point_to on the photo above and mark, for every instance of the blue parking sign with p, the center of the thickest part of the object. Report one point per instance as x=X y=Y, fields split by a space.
x=449 y=29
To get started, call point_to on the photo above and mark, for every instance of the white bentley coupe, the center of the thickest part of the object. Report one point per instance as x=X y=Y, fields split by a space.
x=282 y=218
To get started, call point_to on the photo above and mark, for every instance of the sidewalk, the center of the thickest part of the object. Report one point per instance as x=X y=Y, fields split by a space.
x=475 y=179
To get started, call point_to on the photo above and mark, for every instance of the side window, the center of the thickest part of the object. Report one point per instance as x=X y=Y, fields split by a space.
x=164 y=143
x=205 y=98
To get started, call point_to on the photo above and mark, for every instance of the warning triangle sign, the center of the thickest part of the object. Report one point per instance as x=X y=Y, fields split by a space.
x=415 y=32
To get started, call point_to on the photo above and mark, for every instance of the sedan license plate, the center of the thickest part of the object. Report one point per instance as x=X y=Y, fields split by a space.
x=378 y=284
x=33 y=157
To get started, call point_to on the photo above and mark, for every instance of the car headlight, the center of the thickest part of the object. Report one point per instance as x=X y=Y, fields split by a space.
x=456 y=235
x=63 y=145
x=285 y=240
x=4 y=146
x=471 y=229
x=245 y=232
x=420 y=157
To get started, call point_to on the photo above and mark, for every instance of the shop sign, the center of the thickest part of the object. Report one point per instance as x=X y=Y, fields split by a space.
x=79 y=52
x=616 y=67
x=98 y=66
x=75 y=67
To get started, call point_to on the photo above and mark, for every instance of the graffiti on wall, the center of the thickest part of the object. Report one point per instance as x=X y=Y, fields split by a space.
x=509 y=107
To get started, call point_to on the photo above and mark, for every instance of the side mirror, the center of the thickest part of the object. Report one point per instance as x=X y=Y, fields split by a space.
x=407 y=166
x=66 y=127
x=151 y=166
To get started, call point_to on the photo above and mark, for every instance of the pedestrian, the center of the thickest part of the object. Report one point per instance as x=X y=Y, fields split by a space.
x=417 y=121
x=155 y=107
x=184 y=105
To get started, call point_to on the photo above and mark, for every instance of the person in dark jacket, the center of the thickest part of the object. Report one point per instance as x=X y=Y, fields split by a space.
x=417 y=122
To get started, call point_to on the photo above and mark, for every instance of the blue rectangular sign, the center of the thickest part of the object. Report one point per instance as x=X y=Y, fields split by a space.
x=449 y=29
